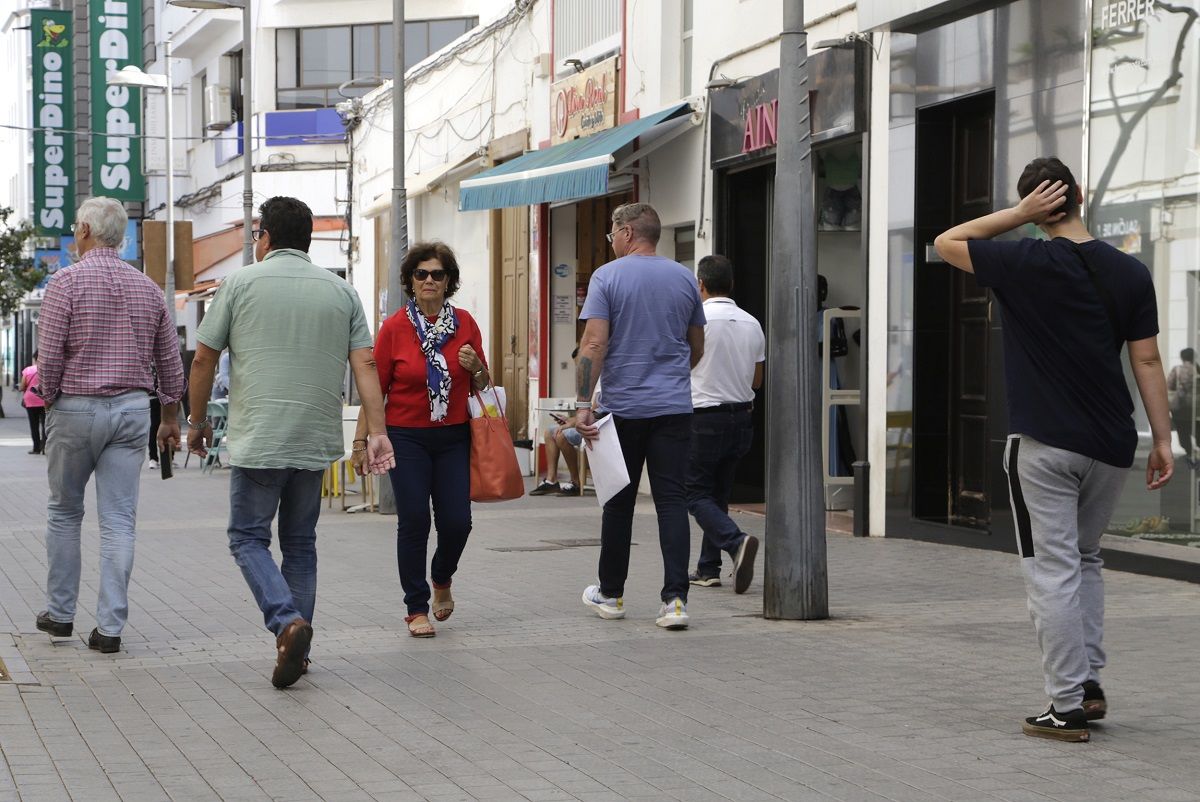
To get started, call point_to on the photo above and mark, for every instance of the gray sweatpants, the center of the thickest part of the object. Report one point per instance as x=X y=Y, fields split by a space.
x=1062 y=502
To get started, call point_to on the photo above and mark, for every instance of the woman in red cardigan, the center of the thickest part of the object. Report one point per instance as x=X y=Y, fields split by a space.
x=430 y=356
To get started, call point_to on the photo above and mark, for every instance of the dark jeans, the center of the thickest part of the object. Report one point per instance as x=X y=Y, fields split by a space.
x=155 y=422
x=431 y=464
x=37 y=427
x=255 y=495
x=719 y=441
x=658 y=443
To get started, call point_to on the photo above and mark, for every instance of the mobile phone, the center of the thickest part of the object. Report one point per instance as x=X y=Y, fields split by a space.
x=559 y=419
x=164 y=462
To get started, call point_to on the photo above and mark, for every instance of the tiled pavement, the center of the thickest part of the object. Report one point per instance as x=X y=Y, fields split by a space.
x=912 y=691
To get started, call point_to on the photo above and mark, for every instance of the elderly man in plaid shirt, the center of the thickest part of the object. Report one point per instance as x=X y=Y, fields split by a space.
x=103 y=326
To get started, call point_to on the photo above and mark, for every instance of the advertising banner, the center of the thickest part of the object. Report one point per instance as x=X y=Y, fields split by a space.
x=53 y=120
x=116 y=39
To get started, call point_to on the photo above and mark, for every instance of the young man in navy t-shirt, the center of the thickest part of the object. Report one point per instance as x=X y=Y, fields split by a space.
x=1069 y=305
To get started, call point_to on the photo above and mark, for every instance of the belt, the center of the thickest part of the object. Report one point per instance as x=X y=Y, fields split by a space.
x=747 y=405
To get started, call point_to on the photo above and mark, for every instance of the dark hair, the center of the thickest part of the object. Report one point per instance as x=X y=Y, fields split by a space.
x=1050 y=169
x=716 y=272
x=35 y=354
x=423 y=252
x=289 y=222
x=1187 y=355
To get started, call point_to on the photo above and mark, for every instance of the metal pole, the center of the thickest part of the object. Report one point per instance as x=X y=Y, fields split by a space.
x=796 y=581
x=247 y=139
x=399 y=195
x=169 y=283
x=395 y=293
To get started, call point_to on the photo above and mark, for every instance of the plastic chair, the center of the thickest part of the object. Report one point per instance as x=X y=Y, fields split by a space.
x=218 y=413
x=339 y=476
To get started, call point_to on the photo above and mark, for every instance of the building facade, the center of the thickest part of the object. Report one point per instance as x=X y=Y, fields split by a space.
x=971 y=94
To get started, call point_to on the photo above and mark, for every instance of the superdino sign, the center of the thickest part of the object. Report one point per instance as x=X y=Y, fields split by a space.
x=116 y=38
x=54 y=122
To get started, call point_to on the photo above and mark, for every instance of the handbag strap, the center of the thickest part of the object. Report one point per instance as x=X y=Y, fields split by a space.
x=1106 y=296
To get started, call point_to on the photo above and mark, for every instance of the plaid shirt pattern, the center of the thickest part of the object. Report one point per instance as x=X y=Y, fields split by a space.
x=104 y=330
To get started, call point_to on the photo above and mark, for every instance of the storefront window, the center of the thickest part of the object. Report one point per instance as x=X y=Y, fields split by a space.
x=1143 y=179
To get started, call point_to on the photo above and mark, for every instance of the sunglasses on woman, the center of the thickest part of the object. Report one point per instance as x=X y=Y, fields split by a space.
x=420 y=274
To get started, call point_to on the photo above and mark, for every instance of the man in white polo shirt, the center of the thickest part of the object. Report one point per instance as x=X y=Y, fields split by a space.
x=723 y=385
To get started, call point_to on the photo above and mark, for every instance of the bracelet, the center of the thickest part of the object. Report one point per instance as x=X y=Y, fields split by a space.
x=357 y=450
x=478 y=373
x=358 y=440
x=202 y=424
x=583 y=405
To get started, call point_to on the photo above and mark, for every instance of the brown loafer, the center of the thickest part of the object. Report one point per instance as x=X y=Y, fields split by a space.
x=290 y=648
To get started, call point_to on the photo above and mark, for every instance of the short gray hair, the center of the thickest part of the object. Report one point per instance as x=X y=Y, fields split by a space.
x=642 y=218
x=106 y=218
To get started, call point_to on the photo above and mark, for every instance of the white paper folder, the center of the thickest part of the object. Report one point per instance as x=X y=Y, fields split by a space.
x=607 y=462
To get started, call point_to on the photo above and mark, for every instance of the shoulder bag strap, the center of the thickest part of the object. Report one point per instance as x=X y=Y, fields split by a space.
x=1106 y=297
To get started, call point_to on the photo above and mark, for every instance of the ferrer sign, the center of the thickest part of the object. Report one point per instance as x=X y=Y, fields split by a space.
x=585 y=103
x=53 y=120
x=116 y=38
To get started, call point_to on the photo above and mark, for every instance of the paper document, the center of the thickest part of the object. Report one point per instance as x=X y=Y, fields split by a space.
x=607 y=462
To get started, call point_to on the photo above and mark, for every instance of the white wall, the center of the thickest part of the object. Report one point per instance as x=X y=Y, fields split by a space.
x=16 y=109
x=451 y=113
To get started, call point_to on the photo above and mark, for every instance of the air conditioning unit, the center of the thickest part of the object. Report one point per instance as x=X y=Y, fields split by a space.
x=218 y=108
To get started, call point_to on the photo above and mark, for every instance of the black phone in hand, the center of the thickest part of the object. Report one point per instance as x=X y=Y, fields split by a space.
x=164 y=462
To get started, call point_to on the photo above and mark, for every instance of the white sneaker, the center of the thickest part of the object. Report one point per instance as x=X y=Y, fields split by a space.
x=673 y=615
x=605 y=606
x=153 y=465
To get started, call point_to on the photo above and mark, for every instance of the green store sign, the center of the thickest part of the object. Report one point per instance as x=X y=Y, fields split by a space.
x=54 y=123
x=116 y=39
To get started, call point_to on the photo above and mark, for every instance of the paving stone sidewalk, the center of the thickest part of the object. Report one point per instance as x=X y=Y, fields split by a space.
x=912 y=691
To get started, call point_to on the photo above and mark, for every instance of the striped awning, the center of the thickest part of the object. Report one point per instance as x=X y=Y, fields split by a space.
x=569 y=170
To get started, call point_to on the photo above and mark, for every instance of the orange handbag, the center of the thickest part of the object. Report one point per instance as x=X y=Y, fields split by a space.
x=495 y=473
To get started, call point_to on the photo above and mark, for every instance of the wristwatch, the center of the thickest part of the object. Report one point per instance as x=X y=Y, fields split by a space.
x=583 y=405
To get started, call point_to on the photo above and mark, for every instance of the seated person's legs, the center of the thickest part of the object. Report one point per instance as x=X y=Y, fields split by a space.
x=568 y=439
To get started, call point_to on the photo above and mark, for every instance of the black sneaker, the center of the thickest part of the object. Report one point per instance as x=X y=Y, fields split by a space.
x=570 y=489
x=56 y=628
x=702 y=581
x=544 y=489
x=105 y=644
x=743 y=564
x=1069 y=726
x=1095 y=707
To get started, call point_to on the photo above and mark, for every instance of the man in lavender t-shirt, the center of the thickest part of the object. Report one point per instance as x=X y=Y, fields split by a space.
x=644 y=333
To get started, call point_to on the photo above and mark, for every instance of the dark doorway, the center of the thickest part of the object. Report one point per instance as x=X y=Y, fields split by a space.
x=955 y=425
x=746 y=210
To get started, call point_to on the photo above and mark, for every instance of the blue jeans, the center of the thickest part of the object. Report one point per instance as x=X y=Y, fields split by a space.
x=657 y=443
x=432 y=464
x=255 y=496
x=719 y=441
x=105 y=436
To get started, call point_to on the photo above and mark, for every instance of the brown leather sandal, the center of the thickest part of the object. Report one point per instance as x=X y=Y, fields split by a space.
x=443 y=603
x=419 y=626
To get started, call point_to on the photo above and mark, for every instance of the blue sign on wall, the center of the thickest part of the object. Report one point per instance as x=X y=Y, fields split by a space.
x=129 y=246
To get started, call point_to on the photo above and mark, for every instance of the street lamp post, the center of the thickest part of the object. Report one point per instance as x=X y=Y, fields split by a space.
x=247 y=116
x=132 y=76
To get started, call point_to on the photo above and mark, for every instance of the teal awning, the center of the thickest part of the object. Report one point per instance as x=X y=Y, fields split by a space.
x=575 y=169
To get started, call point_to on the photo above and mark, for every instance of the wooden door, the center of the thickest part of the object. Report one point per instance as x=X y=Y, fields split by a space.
x=510 y=344
x=593 y=221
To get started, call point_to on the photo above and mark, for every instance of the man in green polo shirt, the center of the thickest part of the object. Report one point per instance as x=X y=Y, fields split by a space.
x=290 y=327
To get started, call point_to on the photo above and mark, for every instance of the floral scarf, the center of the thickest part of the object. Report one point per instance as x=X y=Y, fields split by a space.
x=433 y=337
